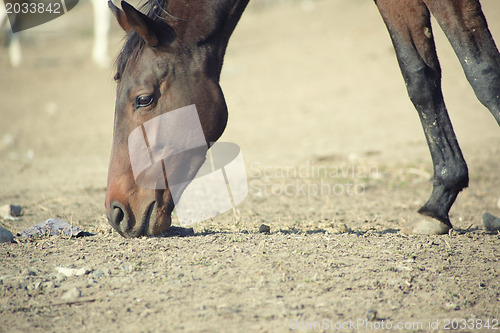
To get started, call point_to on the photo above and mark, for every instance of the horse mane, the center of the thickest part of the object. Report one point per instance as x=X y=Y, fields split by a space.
x=134 y=43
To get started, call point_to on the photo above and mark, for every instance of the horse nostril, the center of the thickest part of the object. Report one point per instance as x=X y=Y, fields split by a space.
x=118 y=217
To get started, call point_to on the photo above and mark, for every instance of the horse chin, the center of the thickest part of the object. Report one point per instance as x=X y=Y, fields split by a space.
x=157 y=218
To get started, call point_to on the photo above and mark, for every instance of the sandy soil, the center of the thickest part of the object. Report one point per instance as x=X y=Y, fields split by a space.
x=336 y=163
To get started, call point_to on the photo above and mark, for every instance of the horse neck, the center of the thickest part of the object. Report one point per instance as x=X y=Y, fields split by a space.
x=208 y=24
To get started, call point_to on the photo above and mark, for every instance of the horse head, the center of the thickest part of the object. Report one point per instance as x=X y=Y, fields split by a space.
x=169 y=106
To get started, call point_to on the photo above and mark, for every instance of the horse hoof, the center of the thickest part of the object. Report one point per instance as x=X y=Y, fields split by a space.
x=425 y=226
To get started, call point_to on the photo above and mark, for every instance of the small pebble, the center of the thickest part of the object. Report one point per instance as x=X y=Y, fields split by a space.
x=67 y=272
x=29 y=272
x=127 y=268
x=48 y=286
x=97 y=273
x=371 y=315
x=452 y=306
x=22 y=284
x=33 y=288
x=491 y=222
x=90 y=283
x=343 y=228
x=59 y=277
x=498 y=203
x=71 y=294
x=265 y=229
x=6 y=236
x=10 y=212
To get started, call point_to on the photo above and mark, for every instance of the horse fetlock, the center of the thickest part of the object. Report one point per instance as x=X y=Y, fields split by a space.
x=453 y=177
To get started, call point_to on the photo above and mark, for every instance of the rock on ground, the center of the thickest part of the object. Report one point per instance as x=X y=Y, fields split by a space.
x=5 y=236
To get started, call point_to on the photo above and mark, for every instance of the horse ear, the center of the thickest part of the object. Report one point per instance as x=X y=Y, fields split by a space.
x=120 y=16
x=141 y=24
x=131 y=18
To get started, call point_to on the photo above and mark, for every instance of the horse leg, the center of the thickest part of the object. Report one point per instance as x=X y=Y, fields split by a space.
x=13 y=41
x=465 y=26
x=408 y=22
x=3 y=14
x=15 y=53
x=101 y=32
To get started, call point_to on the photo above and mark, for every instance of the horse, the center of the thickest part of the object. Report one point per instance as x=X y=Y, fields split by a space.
x=100 y=55
x=173 y=56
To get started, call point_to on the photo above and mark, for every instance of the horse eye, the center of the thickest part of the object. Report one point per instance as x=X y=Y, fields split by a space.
x=143 y=101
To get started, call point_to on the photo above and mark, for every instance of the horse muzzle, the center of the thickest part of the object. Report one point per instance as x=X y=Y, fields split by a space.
x=149 y=218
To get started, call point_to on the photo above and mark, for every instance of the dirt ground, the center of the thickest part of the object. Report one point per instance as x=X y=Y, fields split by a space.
x=336 y=163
